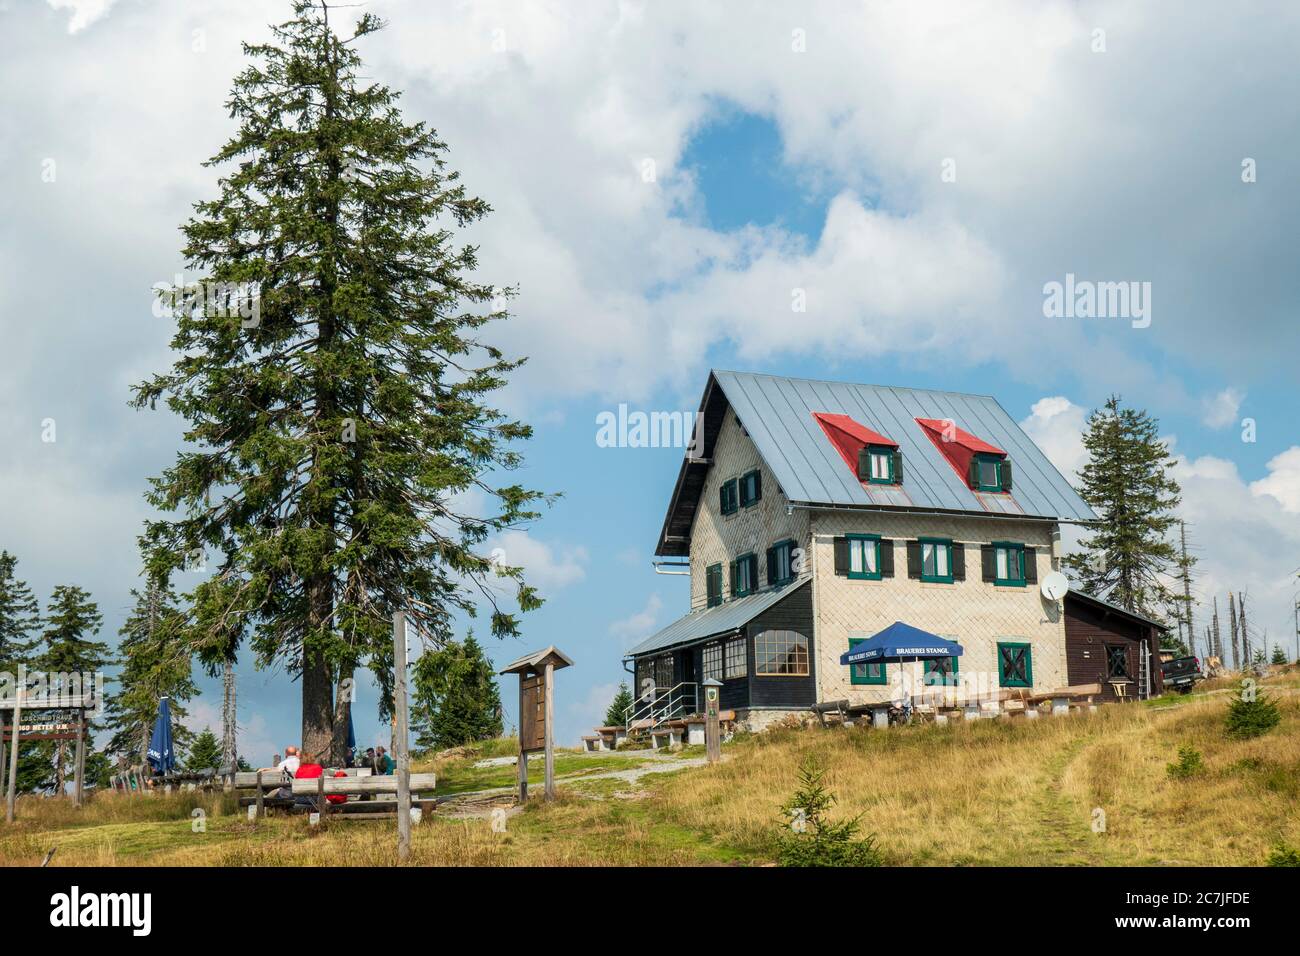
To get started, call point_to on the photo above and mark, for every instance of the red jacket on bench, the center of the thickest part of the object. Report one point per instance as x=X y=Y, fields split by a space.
x=310 y=771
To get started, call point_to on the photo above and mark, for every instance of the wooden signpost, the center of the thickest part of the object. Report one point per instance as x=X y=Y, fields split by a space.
x=537 y=712
x=15 y=732
x=401 y=734
x=712 y=722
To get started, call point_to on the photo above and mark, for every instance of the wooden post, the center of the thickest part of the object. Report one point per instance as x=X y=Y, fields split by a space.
x=522 y=767
x=400 y=737
x=13 y=756
x=322 y=805
x=712 y=722
x=79 y=781
x=549 y=786
x=4 y=757
x=261 y=804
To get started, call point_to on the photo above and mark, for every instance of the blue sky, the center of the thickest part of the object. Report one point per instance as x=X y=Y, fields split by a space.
x=775 y=168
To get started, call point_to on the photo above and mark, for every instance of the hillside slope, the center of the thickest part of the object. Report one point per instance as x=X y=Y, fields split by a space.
x=984 y=793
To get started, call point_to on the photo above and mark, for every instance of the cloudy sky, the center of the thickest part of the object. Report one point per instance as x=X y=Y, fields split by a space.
x=665 y=176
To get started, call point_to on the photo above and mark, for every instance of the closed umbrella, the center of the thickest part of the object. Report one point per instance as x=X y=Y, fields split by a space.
x=162 y=758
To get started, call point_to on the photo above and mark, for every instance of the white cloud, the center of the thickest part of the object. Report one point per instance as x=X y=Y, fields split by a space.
x=253 y=737
x=638 y=626
x=1283 y=480
x=84 y=12
x=1056 y=425
x=1221 y=410
x=1227 y=520
x=1245 y=538
x=546 y=567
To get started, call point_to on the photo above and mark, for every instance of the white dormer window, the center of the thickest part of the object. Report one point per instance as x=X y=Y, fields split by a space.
x=881 y=466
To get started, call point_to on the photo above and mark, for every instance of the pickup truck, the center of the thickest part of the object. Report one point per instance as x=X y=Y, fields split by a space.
x=1181 y=673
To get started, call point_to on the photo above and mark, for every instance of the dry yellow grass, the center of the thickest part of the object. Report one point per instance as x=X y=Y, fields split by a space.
x=989 y=792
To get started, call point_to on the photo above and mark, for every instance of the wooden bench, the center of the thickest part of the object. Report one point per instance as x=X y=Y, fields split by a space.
x=605 y=738
x=318 y=788
x=1077 y=696
x=670 y=734
x=836 y=708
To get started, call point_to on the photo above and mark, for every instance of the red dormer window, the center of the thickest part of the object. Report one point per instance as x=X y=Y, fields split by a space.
x=873 y=458
x=982 y=466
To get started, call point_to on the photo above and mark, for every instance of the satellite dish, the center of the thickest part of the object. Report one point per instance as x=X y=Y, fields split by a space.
x=1055 y=586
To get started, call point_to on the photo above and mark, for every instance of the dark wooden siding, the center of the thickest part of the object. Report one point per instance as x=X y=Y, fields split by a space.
x=793 y=613
x=1088 y=632
x=735 y=691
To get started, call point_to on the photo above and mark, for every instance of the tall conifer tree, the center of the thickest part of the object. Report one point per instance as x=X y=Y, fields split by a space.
x=20 y=615
x=156 y=663
x=456 y=697
x=72 y=619
x=1127 y=481
x=334 y=433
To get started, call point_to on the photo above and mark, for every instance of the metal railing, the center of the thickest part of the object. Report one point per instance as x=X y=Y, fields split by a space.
x=663 y=704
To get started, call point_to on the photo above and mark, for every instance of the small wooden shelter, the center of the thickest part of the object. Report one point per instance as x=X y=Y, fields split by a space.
x=537 y=711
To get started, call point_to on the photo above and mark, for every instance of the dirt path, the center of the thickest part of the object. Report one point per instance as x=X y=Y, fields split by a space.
x=482 y=803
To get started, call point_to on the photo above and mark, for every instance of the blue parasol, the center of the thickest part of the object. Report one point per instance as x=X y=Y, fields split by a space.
x=901 y=643
x=162 y=758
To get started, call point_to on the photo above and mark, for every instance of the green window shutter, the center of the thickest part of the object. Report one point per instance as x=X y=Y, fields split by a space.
x=898 y=467
x=988 y=563
x=733 y=579
x=771 y=566
x=1031 y=566
x=973 y=472
x=864 y=463
x=758 y=485
x=842 y=556
x=1015 y=665
x=886 y=558
x=860 y=674
x=1006 y=474
x=914 y=559
x=958 y=561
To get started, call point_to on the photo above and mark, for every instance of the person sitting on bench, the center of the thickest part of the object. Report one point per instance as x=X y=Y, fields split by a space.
x=384 y=764
x=308 y=769
x=289 y=765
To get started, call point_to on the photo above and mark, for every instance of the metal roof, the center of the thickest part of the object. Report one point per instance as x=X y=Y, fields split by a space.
x=1079 y=595
x=530 y=662
x=778 y=414
x=721 y=619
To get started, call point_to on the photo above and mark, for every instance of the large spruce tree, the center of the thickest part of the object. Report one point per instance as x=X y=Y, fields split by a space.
x=456 y=697
x=332 y=436
x=20 y=625
x=1127 y=481
x=156 y=663
x=72 y=619
x=20 y=616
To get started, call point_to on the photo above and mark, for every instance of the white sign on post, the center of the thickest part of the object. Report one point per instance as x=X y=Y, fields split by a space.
x=314 y=819
x=252 y=812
